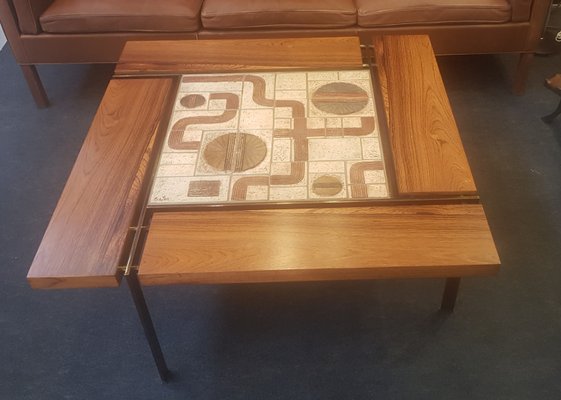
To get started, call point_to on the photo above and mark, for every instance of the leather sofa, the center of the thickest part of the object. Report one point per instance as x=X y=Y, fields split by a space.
x=94 y=31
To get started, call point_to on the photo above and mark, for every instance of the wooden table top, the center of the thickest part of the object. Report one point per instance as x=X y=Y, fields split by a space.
x=379 y=241
x=409 y=241
x=230 y=55
x=83 y=244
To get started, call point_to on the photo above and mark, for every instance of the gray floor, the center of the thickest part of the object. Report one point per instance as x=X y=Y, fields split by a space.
x=350 y=340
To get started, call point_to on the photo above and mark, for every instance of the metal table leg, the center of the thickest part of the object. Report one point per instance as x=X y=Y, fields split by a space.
x=549 y=118
x=450 y=294
x=147 y=325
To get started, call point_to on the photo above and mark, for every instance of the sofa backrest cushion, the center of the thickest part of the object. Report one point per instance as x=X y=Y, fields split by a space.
x=422 y=12
x=28 y=13
x=91 y=16
x=247 y=14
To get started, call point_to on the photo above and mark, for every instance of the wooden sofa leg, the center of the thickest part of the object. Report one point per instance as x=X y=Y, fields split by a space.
x=35 y=85
x=521 y=73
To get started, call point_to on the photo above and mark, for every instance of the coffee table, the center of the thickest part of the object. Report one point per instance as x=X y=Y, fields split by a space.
x=399 y=203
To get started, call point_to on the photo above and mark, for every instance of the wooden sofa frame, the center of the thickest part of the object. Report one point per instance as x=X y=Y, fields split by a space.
x=520 y=36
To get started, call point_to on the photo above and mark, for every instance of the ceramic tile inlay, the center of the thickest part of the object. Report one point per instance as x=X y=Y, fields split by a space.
x=269 y=137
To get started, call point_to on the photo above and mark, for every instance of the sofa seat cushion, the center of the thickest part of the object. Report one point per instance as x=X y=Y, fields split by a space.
x=243 y=14
x=373 y=13
x=98 y=16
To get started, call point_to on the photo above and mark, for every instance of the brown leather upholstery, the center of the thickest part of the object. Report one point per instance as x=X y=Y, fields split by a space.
x=411 y=12
x=89 y=16
x=521 y=10
x=28 y=13
x=243 y=14
x=107 y=30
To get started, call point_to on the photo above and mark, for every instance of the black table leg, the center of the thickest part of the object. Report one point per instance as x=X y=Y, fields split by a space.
x=450 y=294
x=549 y=118
x=146 y=321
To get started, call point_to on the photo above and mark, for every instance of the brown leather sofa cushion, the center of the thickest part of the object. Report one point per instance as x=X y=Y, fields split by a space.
x=241 y=14
x=89 y=16
x=28 y=12
x=410 y=12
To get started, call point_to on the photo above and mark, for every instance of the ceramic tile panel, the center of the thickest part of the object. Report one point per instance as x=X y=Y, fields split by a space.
x=176 y=170
x=355 y=75
x=210 y=87
x=283 y=193
x=300 y=95
x=256 y=119
x=326 y=167
x=371 y=149
x=282 y=150
x=334 y=149
x=271 y=137
x=323 y=76
x=291 y=81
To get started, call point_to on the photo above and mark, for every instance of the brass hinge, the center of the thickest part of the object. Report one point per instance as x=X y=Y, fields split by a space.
x=126 y=269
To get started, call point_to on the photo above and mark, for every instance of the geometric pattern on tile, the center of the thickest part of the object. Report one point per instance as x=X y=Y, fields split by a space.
x=269 y=137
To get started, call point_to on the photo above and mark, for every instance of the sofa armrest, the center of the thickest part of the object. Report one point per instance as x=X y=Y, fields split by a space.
x=521 y=10
x=28 y=13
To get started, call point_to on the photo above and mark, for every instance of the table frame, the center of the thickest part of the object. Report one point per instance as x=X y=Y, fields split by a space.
x=131 y=233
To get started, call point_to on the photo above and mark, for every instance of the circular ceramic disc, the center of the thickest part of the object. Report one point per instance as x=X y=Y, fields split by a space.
x=235 y=152
x=192 y=101
x=340 y=98
x=327 y=186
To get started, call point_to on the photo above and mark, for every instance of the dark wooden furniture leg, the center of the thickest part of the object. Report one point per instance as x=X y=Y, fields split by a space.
x=147 y=324
x=553 y=84
x=35 y=85
x=521 y=74
x=450 y=294
x=550 y=117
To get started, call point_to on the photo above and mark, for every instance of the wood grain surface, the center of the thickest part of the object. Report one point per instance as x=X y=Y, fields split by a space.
x=318 y=244
x=233 y=55
x=427 y=149
x=84 y=239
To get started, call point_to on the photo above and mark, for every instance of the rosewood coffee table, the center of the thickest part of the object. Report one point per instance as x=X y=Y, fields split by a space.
x=269 y=160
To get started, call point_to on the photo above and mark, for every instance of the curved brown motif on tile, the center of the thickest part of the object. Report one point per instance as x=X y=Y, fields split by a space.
x=297 y=171
x=259 y=90
x=239 y=189
x=359 y=189
x=298 y=113
x=367 y=126
x=301 y=133
x=259 y=86
x=175 y=140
